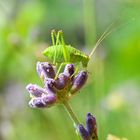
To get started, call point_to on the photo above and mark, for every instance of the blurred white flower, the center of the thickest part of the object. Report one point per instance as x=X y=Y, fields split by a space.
x=112 y=137
x=126 y=95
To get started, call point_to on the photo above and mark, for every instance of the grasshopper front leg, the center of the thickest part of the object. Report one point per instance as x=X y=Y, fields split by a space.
x=65 y=48
x=55 y=41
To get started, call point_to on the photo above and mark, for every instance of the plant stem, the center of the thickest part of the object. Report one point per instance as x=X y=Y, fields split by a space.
x=71 y=113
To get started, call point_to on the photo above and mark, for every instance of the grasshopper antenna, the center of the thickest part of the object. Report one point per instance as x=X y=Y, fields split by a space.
x=103 y=36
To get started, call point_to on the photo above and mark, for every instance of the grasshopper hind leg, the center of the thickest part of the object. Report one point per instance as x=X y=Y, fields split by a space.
x=55 y=41
x=53 y=37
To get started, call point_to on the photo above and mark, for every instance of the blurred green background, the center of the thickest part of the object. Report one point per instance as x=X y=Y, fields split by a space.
x=112 y=92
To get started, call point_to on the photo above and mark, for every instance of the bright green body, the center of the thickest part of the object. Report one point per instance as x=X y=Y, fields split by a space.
x=73 y=55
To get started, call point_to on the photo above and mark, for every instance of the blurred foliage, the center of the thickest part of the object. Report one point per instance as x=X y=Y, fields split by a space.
x=114 y=71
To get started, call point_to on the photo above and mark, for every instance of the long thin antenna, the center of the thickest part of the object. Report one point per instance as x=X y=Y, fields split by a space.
x=103 y=36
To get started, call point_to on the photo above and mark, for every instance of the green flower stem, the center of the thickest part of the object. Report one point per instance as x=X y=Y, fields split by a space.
x=71 y=113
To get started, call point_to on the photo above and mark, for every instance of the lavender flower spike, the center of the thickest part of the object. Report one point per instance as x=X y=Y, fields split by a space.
x=45 y=70
x=83 y=132
x=91 y=126
x=79 y=81
x=35 y=90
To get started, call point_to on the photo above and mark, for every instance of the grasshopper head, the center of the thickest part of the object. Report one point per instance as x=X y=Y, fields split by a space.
x=85 y=62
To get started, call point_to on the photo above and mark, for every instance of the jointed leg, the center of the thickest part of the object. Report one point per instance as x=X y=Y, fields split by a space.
x=53 y=36
x=62 y=38
x=58 y=39
x=55 y=44
x=65 y=51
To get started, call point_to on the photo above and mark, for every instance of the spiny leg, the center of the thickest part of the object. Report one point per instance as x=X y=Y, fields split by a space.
x=58 y=38
x=65 y=49
x=56 y=35
x=53 y=36
x=62 y=37
x=57 y=41
x=60 y=41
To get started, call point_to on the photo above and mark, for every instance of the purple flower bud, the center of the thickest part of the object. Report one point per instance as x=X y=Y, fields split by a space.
x=37 y=102
x=35 y=90
x=83 y=132
x=69 y=69
x=79 y=81
x=61 y=81
x=49 y=99
x=91 y=125
x=49 y=86
x=45 y=70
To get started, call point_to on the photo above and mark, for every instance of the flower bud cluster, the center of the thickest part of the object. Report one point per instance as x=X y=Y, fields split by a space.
x=90 y=132
x=56 y=88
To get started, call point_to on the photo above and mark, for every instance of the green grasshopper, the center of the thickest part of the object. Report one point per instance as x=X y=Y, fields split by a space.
x=60 y=53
